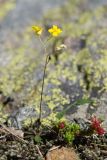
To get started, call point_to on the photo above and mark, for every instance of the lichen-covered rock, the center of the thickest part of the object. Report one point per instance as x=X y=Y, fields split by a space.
x=17 y=117
x=80 y=70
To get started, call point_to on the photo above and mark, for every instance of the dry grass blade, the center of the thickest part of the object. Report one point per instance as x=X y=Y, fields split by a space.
x=39 y=152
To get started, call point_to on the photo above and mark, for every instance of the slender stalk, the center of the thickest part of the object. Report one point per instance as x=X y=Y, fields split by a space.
x=44 y=73
x=42 y=43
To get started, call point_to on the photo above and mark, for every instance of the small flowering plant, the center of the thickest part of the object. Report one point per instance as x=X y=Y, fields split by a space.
x=96 y=126
x=54 y=31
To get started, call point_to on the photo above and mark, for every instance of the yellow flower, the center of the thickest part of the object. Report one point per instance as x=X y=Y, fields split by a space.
x=38 y=30
x=55 y=31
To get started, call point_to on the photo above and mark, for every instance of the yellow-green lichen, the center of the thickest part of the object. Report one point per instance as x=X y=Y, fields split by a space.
x=5 y=7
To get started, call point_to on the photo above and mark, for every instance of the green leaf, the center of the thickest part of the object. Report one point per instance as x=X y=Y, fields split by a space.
x=37 y=139
x=83 y=101
x=78 y=102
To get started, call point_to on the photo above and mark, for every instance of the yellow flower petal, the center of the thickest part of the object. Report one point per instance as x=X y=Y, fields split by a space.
x=50 y=30
x=55 y=27
x=55 y=34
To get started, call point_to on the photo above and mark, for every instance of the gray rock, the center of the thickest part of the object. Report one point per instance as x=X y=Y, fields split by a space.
x=21 y=114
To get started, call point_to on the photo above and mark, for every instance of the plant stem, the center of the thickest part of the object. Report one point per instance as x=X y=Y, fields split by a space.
x=44 y=73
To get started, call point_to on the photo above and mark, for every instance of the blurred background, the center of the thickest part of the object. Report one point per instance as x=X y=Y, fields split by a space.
x=79 y=72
